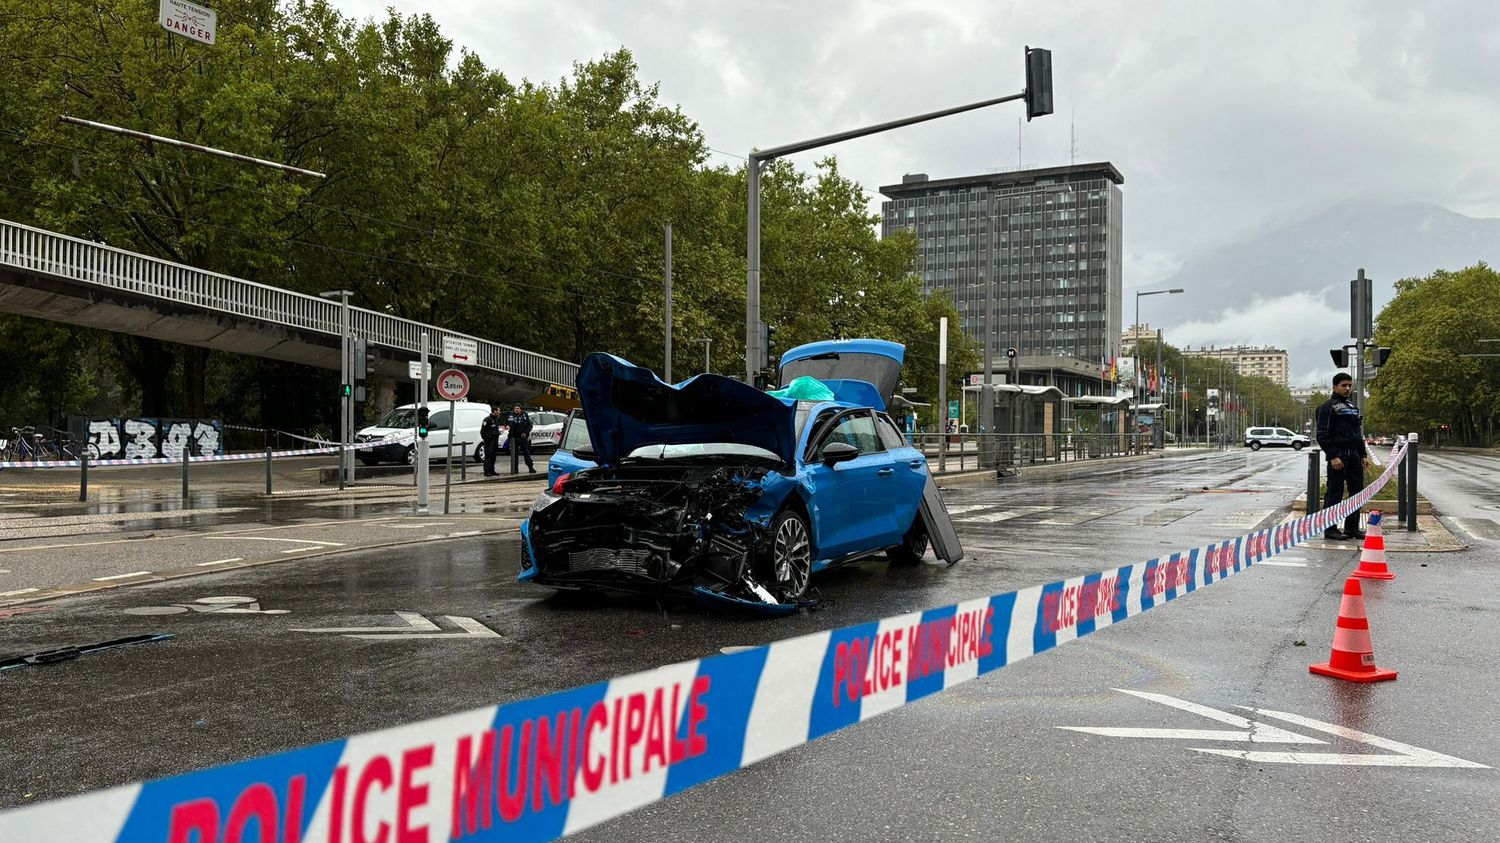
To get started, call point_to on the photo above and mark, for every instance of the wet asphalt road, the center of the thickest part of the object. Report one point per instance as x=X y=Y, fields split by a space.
x=986 y=760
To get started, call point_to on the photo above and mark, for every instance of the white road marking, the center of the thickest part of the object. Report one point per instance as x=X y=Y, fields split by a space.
x=460 y=535
x=1283 y=564
x=419 y=526
x=1409 y=756
x=123 y=576
x=270 y=539
x=1004 y=515
x=17 y=592
x=959 y=510
x=1405 y=755
x=417 y=627
x=414 y=621
x=1479 y=528
x=1244 y=730
x=1070 y=519
x=220 y=561
x=1244 y=518
x=4 y=570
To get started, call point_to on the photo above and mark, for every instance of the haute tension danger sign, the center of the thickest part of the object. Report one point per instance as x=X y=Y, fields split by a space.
x=189 y=20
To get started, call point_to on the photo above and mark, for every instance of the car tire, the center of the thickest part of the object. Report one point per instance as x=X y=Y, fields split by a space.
x=913 y=546
x=1255 y=446
x=788 y=557
x=478 y=455
x=1297 y=446
x=410 y=458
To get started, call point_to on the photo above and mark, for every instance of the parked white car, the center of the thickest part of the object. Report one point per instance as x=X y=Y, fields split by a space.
x=1266 y=437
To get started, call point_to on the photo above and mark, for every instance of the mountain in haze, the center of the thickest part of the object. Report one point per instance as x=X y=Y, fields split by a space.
x=1289 y=287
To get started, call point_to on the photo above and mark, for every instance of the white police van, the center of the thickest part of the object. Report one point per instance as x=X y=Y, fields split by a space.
x=1267 y=437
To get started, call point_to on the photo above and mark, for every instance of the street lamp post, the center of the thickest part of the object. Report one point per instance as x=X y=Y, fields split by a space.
x=1038 y=96
x=708 y=344
x=346 y=408
x=1136 y=347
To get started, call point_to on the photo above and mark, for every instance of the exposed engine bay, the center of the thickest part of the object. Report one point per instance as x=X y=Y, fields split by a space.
x=651 y=527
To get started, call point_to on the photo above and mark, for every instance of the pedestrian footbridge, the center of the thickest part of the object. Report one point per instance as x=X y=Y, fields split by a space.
x=53 y=276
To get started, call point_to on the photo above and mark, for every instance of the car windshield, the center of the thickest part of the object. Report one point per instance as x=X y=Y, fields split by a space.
x=702 y=450
x=400 y=418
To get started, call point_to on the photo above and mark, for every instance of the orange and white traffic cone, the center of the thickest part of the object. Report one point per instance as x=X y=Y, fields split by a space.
x=1353 y=656
x=1372 y=555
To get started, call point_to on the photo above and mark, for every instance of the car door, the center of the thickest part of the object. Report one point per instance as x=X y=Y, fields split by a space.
x=911 y=472
x=852 y=500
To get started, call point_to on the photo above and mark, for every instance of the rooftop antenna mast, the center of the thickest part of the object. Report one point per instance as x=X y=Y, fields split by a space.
x=1073 y=135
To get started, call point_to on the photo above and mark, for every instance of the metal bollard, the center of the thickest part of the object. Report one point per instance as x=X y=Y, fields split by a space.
x=448 y=478
x=186 y=458
x=268 y=469
x=1314 y=503
x=83 y=474
x=1411 y=482
x=463 y=464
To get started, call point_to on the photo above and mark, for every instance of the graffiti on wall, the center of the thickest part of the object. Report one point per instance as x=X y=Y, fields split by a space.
x=137 y=439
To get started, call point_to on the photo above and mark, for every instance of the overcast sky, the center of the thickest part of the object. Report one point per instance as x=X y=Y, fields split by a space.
x=1225 y=118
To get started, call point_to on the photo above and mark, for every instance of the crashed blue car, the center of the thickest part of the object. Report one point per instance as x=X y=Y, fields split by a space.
x=714 y=488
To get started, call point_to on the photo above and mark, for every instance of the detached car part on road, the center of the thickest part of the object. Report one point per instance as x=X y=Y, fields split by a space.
x=714 y=488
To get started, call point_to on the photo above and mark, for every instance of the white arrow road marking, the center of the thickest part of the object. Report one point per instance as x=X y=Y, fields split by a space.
x=416 y=627
x=1408 y=755
x=1245 y=730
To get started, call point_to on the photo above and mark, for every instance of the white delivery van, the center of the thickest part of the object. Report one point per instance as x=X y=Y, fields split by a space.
x=459 y=427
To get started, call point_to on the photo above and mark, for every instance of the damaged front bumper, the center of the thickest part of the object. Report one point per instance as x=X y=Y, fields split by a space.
x=697 y=536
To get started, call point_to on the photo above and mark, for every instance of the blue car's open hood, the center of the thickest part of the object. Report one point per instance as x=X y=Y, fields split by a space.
x=627 y=406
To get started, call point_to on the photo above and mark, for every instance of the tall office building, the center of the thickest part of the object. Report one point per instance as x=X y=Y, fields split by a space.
x=1055 y=262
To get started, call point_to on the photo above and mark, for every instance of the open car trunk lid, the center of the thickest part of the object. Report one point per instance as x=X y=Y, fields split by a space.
x=627 y=406
x=875 y=362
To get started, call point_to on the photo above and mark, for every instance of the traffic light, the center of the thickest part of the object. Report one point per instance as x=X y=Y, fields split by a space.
x=1340 y=357
x=1379 y=355
x=422 y=422
x=345 y=390
x=364 y=359
x=1038 y=82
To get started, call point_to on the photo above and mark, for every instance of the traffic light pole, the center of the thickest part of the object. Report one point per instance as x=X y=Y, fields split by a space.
x=421 y=443
x=1038 y=95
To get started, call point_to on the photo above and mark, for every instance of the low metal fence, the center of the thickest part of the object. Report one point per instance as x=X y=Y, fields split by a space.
x=996 y=451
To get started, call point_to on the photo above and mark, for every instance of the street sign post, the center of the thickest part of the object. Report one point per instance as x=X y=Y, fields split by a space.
x=453 y=385
x=459 y=350
x=414 y=370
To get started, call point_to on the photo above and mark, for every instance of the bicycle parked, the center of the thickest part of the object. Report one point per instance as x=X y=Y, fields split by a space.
x=26 y=445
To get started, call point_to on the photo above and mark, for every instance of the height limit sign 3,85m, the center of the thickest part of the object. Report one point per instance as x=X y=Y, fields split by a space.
x=452 y=385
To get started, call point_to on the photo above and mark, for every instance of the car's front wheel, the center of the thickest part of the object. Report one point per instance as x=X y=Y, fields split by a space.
x=479 y=452
x=913 y=545
x=790 y=557
x=1297 y=446
x=411 y=455
x=1255 y=446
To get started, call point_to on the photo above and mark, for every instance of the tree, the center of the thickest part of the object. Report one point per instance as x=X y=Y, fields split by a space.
x=1430 y=325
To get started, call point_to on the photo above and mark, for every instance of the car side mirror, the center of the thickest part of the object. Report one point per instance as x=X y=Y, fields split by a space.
x=836 y=452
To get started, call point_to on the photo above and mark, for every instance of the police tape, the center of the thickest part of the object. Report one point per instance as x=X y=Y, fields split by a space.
x=253 y=455
x=541 y=768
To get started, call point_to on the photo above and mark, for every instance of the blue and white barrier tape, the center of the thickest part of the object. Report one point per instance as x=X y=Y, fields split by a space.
x=541 y=768
x=301 y=452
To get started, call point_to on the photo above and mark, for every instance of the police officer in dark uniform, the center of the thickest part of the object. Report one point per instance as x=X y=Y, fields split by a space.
x=489 y=432
x=520 y=435
x=1340 y=435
